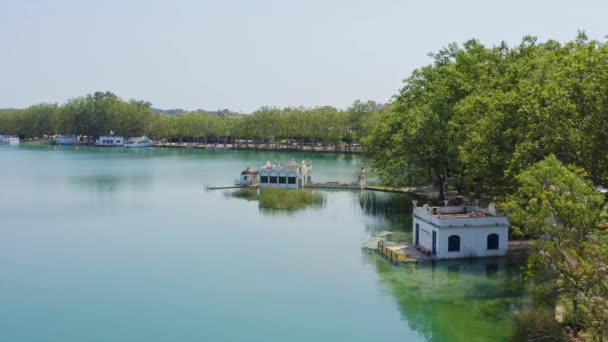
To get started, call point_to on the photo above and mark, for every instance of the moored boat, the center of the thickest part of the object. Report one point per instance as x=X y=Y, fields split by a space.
x=109 y=141
x=139 y=142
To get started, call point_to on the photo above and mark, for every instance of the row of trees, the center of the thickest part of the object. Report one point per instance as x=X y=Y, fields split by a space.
x=99 y=113
x=479 y=115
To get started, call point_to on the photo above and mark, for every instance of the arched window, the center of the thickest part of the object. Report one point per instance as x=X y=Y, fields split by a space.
x=454 y=243
x=493 y=241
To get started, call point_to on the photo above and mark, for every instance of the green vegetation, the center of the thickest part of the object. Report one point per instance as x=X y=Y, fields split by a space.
x=566 y=214
x=537 y=325
x=500 y=122
x=274 y=198
x=479 y=115
x=102 y=112
x=282 y=199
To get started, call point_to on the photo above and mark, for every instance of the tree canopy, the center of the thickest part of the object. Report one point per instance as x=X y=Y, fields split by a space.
x=567 y=216
x=479 y=115
x=99 y=113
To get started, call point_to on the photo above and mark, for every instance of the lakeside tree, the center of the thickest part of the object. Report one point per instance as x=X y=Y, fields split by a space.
x=99 y=113
x=567 y=216
x=477 y=116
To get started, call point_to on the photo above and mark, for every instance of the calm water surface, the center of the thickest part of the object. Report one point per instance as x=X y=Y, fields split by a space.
x=126 y=245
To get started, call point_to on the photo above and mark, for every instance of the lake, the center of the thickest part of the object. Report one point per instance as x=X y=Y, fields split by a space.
x=102 y=244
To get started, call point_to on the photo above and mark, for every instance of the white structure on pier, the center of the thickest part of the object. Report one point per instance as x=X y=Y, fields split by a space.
x=249 y=177
x=452 y=232
x=290 y=176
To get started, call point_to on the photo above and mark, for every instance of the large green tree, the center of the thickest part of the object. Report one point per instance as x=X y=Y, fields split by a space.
x=566 y=215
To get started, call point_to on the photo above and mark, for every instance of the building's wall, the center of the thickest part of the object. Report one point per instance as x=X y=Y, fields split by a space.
x=473 y=240
x=111 y=141
x=249 y=179
x=11 y=140
x=426 y=233
x=279 y=173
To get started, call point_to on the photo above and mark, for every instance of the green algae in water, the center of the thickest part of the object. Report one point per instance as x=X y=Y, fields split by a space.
x=457 y=300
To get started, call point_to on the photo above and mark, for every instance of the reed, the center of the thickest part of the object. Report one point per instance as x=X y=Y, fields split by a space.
x=274 y=198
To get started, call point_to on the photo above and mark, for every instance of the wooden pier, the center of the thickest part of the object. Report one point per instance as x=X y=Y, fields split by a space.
x=395 y=254
x=401 y=254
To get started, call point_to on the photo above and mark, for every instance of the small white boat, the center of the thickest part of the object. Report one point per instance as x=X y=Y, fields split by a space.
x=139 y=142
x=65 y=140
x=109 y=141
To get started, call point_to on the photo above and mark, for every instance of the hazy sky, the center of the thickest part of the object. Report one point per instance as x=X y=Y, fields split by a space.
x=246 y=54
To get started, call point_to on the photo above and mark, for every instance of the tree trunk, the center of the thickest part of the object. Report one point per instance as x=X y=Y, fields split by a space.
x=441 y=186
x=574 y=318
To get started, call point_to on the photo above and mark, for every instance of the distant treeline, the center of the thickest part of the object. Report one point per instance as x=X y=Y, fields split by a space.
x=478 y=116
x=98 y=114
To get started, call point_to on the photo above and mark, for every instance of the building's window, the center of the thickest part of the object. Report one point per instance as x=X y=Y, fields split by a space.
x=454 y=243
x=282 y=180
x=273 y=179
x=291 y=180
x=245 y=177
x=493 y=241
x=264 y=179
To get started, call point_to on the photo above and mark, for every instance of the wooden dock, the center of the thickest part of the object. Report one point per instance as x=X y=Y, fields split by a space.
x=401 y=254
x=395 y=254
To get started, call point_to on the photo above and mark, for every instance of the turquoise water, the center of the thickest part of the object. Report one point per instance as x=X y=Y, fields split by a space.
x=127 y=245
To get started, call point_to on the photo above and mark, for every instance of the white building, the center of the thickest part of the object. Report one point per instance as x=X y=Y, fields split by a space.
x=65 y=140
x=290 y=176
x=249 y=177
x=110 y=140
x=460 y=231
x=8 y=140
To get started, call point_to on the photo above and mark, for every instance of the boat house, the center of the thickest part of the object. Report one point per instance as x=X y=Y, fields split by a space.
x=452 y=232
x=290 y=176
x=249 y=177
x=8 y=140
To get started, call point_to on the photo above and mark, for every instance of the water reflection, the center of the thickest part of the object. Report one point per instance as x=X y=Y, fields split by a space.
x=392 y=211
x=458 y=300
x=104 y=184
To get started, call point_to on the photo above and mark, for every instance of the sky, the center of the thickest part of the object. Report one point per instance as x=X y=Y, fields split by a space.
x=245 y=54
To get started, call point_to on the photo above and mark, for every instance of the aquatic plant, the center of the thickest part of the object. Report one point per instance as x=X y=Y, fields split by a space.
x=246 y=194
x=275 y=198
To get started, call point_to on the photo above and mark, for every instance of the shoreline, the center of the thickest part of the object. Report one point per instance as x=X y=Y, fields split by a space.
x=220 y=147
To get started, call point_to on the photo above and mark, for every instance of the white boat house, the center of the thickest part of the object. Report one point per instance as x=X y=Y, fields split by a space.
x=249 y=177
x=65 y=140
x=290 y=176
x=8 y=140
x=452 y=232
x=110 y=140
